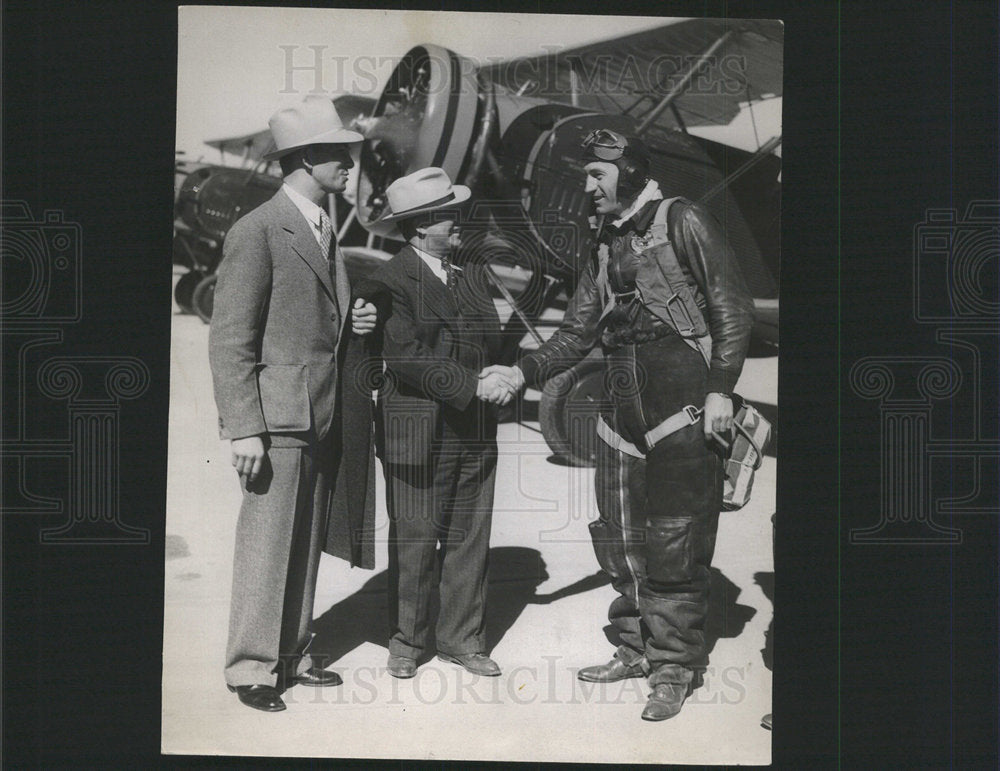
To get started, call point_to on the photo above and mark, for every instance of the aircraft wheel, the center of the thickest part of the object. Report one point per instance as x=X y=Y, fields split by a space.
x=569 y=409
x=204 y=298
x=184 y=290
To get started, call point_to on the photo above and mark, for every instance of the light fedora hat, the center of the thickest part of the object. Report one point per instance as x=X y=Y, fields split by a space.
x=423 y=191
x=314 y=122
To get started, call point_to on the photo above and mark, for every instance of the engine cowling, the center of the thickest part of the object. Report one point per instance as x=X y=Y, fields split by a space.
x=520 y=155
x=425 y=116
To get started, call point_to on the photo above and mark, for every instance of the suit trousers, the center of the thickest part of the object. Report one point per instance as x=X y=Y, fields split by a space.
x=279 y=537
x=448 y=501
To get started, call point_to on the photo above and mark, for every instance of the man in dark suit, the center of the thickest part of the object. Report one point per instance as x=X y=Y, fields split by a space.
x=277 y=347
x=438 y=427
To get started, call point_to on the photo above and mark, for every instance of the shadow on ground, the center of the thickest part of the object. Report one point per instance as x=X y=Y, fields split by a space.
x=515 y=574
x=766 y=583
x=726 y=617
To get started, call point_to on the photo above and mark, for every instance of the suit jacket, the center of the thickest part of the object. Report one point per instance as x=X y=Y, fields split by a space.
x=277 y=345
x=435 y=342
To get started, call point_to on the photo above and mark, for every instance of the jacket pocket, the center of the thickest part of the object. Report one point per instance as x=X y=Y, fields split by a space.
x=284 y=396
x=670 y=551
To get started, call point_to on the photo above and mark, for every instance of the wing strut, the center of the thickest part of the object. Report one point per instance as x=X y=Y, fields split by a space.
x=677 y=90
x=752 y=161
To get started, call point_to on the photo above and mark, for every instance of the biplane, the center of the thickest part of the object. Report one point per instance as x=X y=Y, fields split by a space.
x=510 y=131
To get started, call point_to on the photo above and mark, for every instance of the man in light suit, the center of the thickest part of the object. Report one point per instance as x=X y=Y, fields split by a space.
x=277 y=346
x=437 y=423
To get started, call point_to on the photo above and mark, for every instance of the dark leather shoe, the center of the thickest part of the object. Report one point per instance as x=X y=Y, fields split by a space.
x=317 y=678
x=665 y=701
x=476 y=663
x=765 y=722
x=402 y=667
x=262 y=697
x=613 y=671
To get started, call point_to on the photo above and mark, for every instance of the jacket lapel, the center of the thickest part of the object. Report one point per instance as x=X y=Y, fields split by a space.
x=303 y=243
x=474 y=293
x=429 y=288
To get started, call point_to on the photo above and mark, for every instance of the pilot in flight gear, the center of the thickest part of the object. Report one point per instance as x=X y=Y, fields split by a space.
x=665 y=299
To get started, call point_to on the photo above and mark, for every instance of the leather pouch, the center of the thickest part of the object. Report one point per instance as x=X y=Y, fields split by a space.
x=744 y=454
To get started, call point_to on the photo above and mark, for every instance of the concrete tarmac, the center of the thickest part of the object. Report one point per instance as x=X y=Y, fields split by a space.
x=547 y=615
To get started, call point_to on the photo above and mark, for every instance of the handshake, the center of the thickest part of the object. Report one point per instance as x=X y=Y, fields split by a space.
x=498 y=384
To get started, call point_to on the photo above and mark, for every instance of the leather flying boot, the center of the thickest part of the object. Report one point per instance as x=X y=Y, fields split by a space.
x=665 y=701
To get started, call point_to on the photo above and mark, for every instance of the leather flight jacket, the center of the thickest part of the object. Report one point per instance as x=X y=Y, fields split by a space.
x=712 y=280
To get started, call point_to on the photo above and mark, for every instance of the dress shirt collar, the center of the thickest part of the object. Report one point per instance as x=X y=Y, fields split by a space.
x=434 y=263
x=309 y=210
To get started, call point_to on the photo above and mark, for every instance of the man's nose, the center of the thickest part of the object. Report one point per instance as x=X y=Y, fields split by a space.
x=591 y=185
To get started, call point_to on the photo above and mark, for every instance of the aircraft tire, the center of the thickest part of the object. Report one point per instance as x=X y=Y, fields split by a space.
x=569 y=409
x=184 y=290
x=203 y=299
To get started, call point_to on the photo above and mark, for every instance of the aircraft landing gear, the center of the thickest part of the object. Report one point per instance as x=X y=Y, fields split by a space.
x=184 y=290
x=203 y=298
x=570 y=406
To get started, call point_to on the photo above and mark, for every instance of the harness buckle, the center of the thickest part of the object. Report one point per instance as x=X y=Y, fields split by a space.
x=693 y=413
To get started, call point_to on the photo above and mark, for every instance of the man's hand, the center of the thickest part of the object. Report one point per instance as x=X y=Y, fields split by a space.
x=248 y=456
x=494 y=388
x=512 y=375
x=363 y=317
x=718 y=415
x=498 y=384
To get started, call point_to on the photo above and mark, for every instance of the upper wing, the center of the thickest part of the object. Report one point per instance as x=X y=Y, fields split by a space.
x=252 y=146
x=633 y=73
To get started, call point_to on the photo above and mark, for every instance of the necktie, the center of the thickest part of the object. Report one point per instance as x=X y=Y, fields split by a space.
x=326 y=241
x=449 y=272
x=325 y=235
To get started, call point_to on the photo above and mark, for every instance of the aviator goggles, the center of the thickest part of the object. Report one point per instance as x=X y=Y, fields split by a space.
x=605 y=145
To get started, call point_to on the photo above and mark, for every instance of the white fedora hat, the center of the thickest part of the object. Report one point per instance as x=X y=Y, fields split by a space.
x=314 y=122
x=423 y=191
